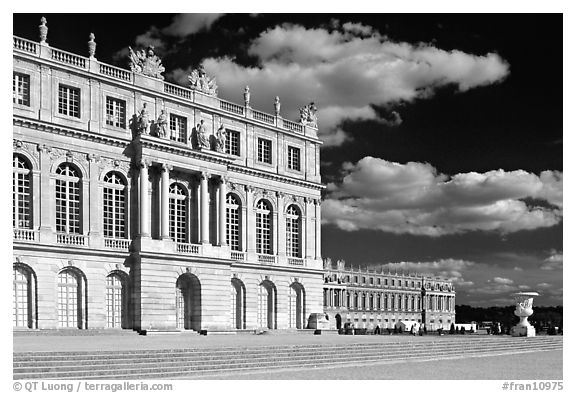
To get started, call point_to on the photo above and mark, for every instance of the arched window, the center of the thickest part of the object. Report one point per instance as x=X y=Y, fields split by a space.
x=116 y=301
x=233 y=222
x=293 y=227
x=21 y=196
x=69 y=299
x=177 y=213
x=263 y=228
x=68 y=199
x=355 y=300
x=22 y=298
x=114 y=205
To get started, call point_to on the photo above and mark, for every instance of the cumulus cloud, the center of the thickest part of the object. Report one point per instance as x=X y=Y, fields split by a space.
x=554 y=261
x=186 y=24
x=414 y=198
x=449 y=268
x=346 y=70
x=502 y=280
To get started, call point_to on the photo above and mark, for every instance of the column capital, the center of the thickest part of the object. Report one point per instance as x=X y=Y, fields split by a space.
x=223 y=179
x=204 y=175
x=165 y=167
x=143 y=163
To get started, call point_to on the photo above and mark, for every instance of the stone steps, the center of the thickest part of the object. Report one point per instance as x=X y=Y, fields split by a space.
x=202 y=362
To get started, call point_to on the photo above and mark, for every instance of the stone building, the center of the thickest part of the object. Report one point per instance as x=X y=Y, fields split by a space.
x=145 y=205
x=369 y=298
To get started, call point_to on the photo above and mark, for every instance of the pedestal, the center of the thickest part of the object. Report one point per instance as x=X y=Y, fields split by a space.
x=523 y=331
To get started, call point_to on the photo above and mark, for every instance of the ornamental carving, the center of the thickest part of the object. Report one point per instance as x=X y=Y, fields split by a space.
x=70 y=156
x=107 y=164
x=308 y=115
x=200 y=81
x=145 y=62
x=27 y=148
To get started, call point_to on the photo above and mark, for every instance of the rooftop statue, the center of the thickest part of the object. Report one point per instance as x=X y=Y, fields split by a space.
x=220 y=139
x=202 y=137
x=143 y=121
x=145 y=62
x=200 y=81
x=308 y=115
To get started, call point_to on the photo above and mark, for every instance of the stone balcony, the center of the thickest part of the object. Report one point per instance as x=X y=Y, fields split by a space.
x=106 y=71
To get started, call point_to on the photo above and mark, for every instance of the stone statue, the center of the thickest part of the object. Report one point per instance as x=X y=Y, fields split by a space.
x=143 y=121
x=43 y=30
x=145 y=62
x=220 y=139
x=247 y=96
x=524 y=301
x=202 y=138
x=200 y=81
x=277 y=106
x=162 y=125
x=91 y=45
x=308 y=115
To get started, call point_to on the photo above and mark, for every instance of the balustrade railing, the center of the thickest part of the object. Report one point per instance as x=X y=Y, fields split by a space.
x=292 y=126
x=25 y=45
x=70 y=239
x=266 y=118
x=115 y=72
x=177 y=91
x=231 y=107
x=237 y=256
x=118 y=244
x=28 y=235
x=265 y=258
x=187 y=248
x=68 y=58
x=296 y=261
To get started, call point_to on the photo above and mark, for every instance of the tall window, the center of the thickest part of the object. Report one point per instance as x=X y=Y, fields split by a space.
x=263 y=228
x=233 y=222
x=293 y=158
x=21 y=193
x=293 y=232
x=21 y=298
x=68 y=299
x=69 y=101
x=114 y=301
x=115 y=112
x=177 y=216
x=178 y=127
x=67 y=199
x=114 y=206
x=21 y=89
x=233 y=142
x=265 y=150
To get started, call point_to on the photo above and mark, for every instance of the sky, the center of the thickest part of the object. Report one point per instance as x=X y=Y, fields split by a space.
x=442 y=134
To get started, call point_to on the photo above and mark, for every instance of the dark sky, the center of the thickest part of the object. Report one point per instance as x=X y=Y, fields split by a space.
x=491 y=233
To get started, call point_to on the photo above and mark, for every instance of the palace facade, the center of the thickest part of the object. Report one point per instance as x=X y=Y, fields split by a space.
x=366 y=298
x=146 y=205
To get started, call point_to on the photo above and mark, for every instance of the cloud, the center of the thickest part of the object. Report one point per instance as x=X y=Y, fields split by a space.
x=186 y=24
x=554 y=261
x=449 y=268
x=414 y=198
x=502 y=280
x=346 y=70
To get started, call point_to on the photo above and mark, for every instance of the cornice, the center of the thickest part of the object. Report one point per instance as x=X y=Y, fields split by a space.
x=275 y=177
x=157 y=144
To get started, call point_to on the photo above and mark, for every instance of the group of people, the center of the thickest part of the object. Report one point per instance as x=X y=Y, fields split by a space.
x=160 y=130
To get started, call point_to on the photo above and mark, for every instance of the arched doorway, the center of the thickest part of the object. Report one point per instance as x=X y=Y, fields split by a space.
x=23 y=297
x=188 y=302
x=338 y=321
x=296 y=305
x=117 y=300
x=237 y=307
x=72 y=299
x=267 y=305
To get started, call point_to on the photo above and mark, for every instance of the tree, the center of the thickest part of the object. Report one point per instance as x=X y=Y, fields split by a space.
x=452 y=329
x=462 y=330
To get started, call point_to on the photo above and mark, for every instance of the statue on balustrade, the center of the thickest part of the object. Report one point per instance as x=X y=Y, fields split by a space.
x=202 y=137
x=143 y=121
x=162 y=125
x=200 y=81
x=308 y=115
x=220 y=139
x=145 y=62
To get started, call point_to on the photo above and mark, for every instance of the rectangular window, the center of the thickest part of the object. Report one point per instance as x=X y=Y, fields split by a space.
x=265 y=150
x=178 y=128
x=115 y=112
x=233 y=142
x=21 y=89
x=293 y=158
x=69 y=101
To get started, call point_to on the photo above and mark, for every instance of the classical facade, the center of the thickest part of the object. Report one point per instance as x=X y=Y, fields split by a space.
x=369 y=298
x=145 y=205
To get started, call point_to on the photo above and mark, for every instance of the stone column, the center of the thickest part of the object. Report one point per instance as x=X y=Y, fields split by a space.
x=222 y=212
x=204 y=209
x=144 y=203
x=318 y=248
x=165 y=198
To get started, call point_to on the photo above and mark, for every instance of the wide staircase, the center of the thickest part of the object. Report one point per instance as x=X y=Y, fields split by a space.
x=211 y=362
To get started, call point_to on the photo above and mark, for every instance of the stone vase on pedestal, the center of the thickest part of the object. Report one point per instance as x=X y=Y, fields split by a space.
x=523 y=310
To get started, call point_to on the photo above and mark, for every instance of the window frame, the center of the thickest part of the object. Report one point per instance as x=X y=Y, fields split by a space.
x=67 y=113
x=260 y=153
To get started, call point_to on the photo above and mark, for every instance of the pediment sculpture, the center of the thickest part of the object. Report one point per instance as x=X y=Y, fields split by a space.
x=308 y=116
x=200 y=81
x=146 y=62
